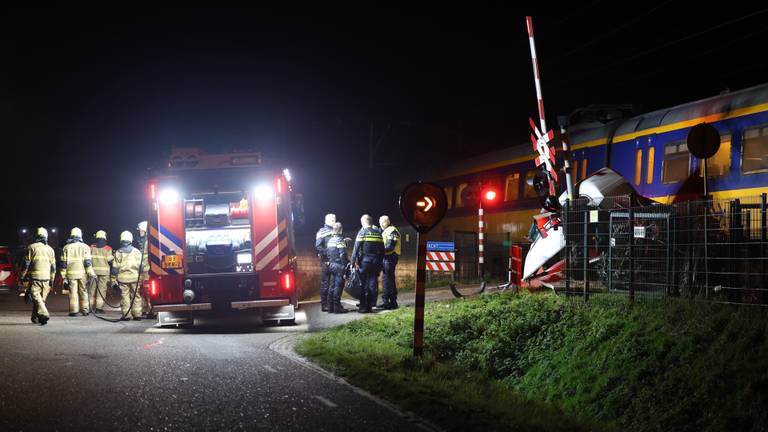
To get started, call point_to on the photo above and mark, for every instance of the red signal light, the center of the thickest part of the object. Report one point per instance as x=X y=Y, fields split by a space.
x=490 y=195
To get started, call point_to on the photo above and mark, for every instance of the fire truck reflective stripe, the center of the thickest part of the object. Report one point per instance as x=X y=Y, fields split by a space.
x=164 y=233
x=168 y=244
x=265 y=242
x=283 y=261
x=156 y=269
x=266 y=260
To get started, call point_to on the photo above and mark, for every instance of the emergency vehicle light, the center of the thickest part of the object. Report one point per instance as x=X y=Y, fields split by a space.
x=287 y=175
x=263 y=192
x=279 y=186
x=153 y=287
x=152 y=191
x=169 y=196
x=287 y=281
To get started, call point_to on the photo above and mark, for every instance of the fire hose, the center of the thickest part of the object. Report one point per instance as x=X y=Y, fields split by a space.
x=130 y=306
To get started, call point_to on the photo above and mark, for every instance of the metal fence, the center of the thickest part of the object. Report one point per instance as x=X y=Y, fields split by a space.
x=713 y=249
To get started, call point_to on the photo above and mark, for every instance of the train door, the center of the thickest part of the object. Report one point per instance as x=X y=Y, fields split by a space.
x=645 y=174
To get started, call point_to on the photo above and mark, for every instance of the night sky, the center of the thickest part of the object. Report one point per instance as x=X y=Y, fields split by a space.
x=91 y=98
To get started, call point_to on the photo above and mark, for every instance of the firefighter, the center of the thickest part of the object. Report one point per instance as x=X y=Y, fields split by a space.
x=125 y=276
x=40 y=266
x=391 y=255
x=101 y=256
x=76 y=267
x=146 y=306
x=367 y=255
x=321 y=244
x=336 y=251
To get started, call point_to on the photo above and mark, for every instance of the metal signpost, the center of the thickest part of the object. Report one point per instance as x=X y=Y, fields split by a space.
x=423 y=205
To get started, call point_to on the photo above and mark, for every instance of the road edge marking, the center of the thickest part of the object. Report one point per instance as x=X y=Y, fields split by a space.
x=284 y=347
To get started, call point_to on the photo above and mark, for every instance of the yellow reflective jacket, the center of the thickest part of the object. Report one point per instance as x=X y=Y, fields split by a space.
x=391 y=240
x=125 y=267
x=76 y=261
x=144 y=255
x=39 y=261
x=102 y=259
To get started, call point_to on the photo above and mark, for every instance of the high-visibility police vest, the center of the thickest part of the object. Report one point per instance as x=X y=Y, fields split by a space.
x=75 y=261
x=125 y=267
x=336 y=250
x=41 y=260
x=101 y=257
x=391 y=240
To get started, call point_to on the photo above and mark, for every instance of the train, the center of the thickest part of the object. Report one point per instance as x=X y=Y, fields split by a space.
x=649 y=150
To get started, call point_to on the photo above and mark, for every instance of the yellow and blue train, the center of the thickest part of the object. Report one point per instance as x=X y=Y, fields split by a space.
x=649 y=150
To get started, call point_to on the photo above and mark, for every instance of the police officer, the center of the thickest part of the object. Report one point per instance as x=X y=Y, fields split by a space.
x=321 y=245
x=336 y=250
x=146 y=306
x=391 y=254
x=367 y=255
x=40 y=266
x=76 y=266
x=101 y=256
x=125 y=275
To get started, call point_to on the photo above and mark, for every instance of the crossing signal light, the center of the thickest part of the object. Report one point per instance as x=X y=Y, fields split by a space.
x=423 y=205
x=490 y=195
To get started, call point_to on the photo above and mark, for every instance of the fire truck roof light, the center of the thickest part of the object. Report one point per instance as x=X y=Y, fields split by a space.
x=169 y=196
x=263 y=192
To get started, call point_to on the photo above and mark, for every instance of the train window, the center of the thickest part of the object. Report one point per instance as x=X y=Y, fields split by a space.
x=583 y=169
x=720 y=164
x=754 y=153
x=649 y=168
x=449 y=195
x=512 y=187
x=638 y=165
x=529 y=191
x=459 y=189
x=677 y=162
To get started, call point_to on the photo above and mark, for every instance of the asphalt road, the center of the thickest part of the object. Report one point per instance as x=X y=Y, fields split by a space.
x=86 y=374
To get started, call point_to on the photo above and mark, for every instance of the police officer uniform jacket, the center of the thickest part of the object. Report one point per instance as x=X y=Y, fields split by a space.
x=368 y=244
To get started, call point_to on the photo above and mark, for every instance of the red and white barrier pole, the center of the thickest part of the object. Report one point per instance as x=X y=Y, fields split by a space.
x=536 y=76
x=480 y=239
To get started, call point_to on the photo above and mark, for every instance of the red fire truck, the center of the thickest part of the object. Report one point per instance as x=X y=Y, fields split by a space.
x=221 y=238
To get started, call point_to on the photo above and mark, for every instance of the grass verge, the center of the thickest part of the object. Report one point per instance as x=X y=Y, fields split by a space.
x=540 y=362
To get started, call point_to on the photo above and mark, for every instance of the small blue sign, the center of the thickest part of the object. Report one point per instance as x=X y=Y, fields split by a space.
x=435 y=246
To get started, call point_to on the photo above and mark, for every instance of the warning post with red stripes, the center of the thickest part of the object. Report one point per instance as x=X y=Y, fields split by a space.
x=423 y=205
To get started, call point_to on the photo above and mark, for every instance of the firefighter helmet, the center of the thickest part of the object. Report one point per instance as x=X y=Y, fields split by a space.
x=101 y=234
x=126 y=236
x=76 y=232
x=42 y=232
